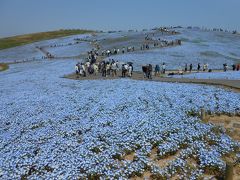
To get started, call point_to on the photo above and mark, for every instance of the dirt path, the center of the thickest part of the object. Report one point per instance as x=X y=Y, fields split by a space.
x=233 y=84
x=42 y=50
x=230 y=84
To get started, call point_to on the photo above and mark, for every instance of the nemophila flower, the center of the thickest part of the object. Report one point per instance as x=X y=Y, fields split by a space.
x=82 y=128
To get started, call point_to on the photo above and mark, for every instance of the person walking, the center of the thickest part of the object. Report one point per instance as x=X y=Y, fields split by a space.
x=204 y=67
x=104 y=70
x=164 y=68
x=124 y=70
x=190 y=67
x=149 y=71
x=225 y=67
x=123 y=50
x=76 y=69
x=157 y=70
x=185 y=69
x=238 y=67
x=233 y=67
x=130 y=70
x=198 y=67
x=83 y=70
x=95 y=67
x=108 y=68
x=114 y=68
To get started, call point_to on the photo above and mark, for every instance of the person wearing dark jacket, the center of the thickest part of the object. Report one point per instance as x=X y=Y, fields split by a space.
x=157 y=70
x=185 y=68
x=233 y=67
x=190 y=68
x=198 y=67
x=149 y=71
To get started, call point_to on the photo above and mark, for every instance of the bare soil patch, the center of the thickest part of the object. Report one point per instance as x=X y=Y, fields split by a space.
x=232 y=126
x=230 y=123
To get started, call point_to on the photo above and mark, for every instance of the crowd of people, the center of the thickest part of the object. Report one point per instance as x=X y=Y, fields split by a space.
x=105 y=68
x=235 y=67
x=205 y=68
x=148 y=70
x=61 y=45
x=116 y=51
x=149 y=43
x=144 y=46
x=111 y=68
x=159 y=43
x=92 y=56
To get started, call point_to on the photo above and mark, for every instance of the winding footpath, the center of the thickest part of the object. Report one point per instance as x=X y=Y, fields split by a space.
x=230 y=84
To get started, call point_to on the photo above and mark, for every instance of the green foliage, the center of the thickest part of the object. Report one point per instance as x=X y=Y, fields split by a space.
x=3 y=67
x=117 y=157
x=158 y=177
x=48 y=168
x=96 y=150
x=93 y=176
x=192 y=113
x=217 y=130
x=135 y=174
x=214 y=171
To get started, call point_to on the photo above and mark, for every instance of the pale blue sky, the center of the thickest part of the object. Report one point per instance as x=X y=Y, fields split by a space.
x=25 y=16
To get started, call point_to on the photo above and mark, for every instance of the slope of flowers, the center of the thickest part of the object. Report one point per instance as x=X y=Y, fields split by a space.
x=29 y=52
x=17 y=54
x=58 y=128
x=214 y=48
x=70 y=50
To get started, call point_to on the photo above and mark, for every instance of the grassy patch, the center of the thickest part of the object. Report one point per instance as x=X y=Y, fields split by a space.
x=3 y=67
x=30 y=38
